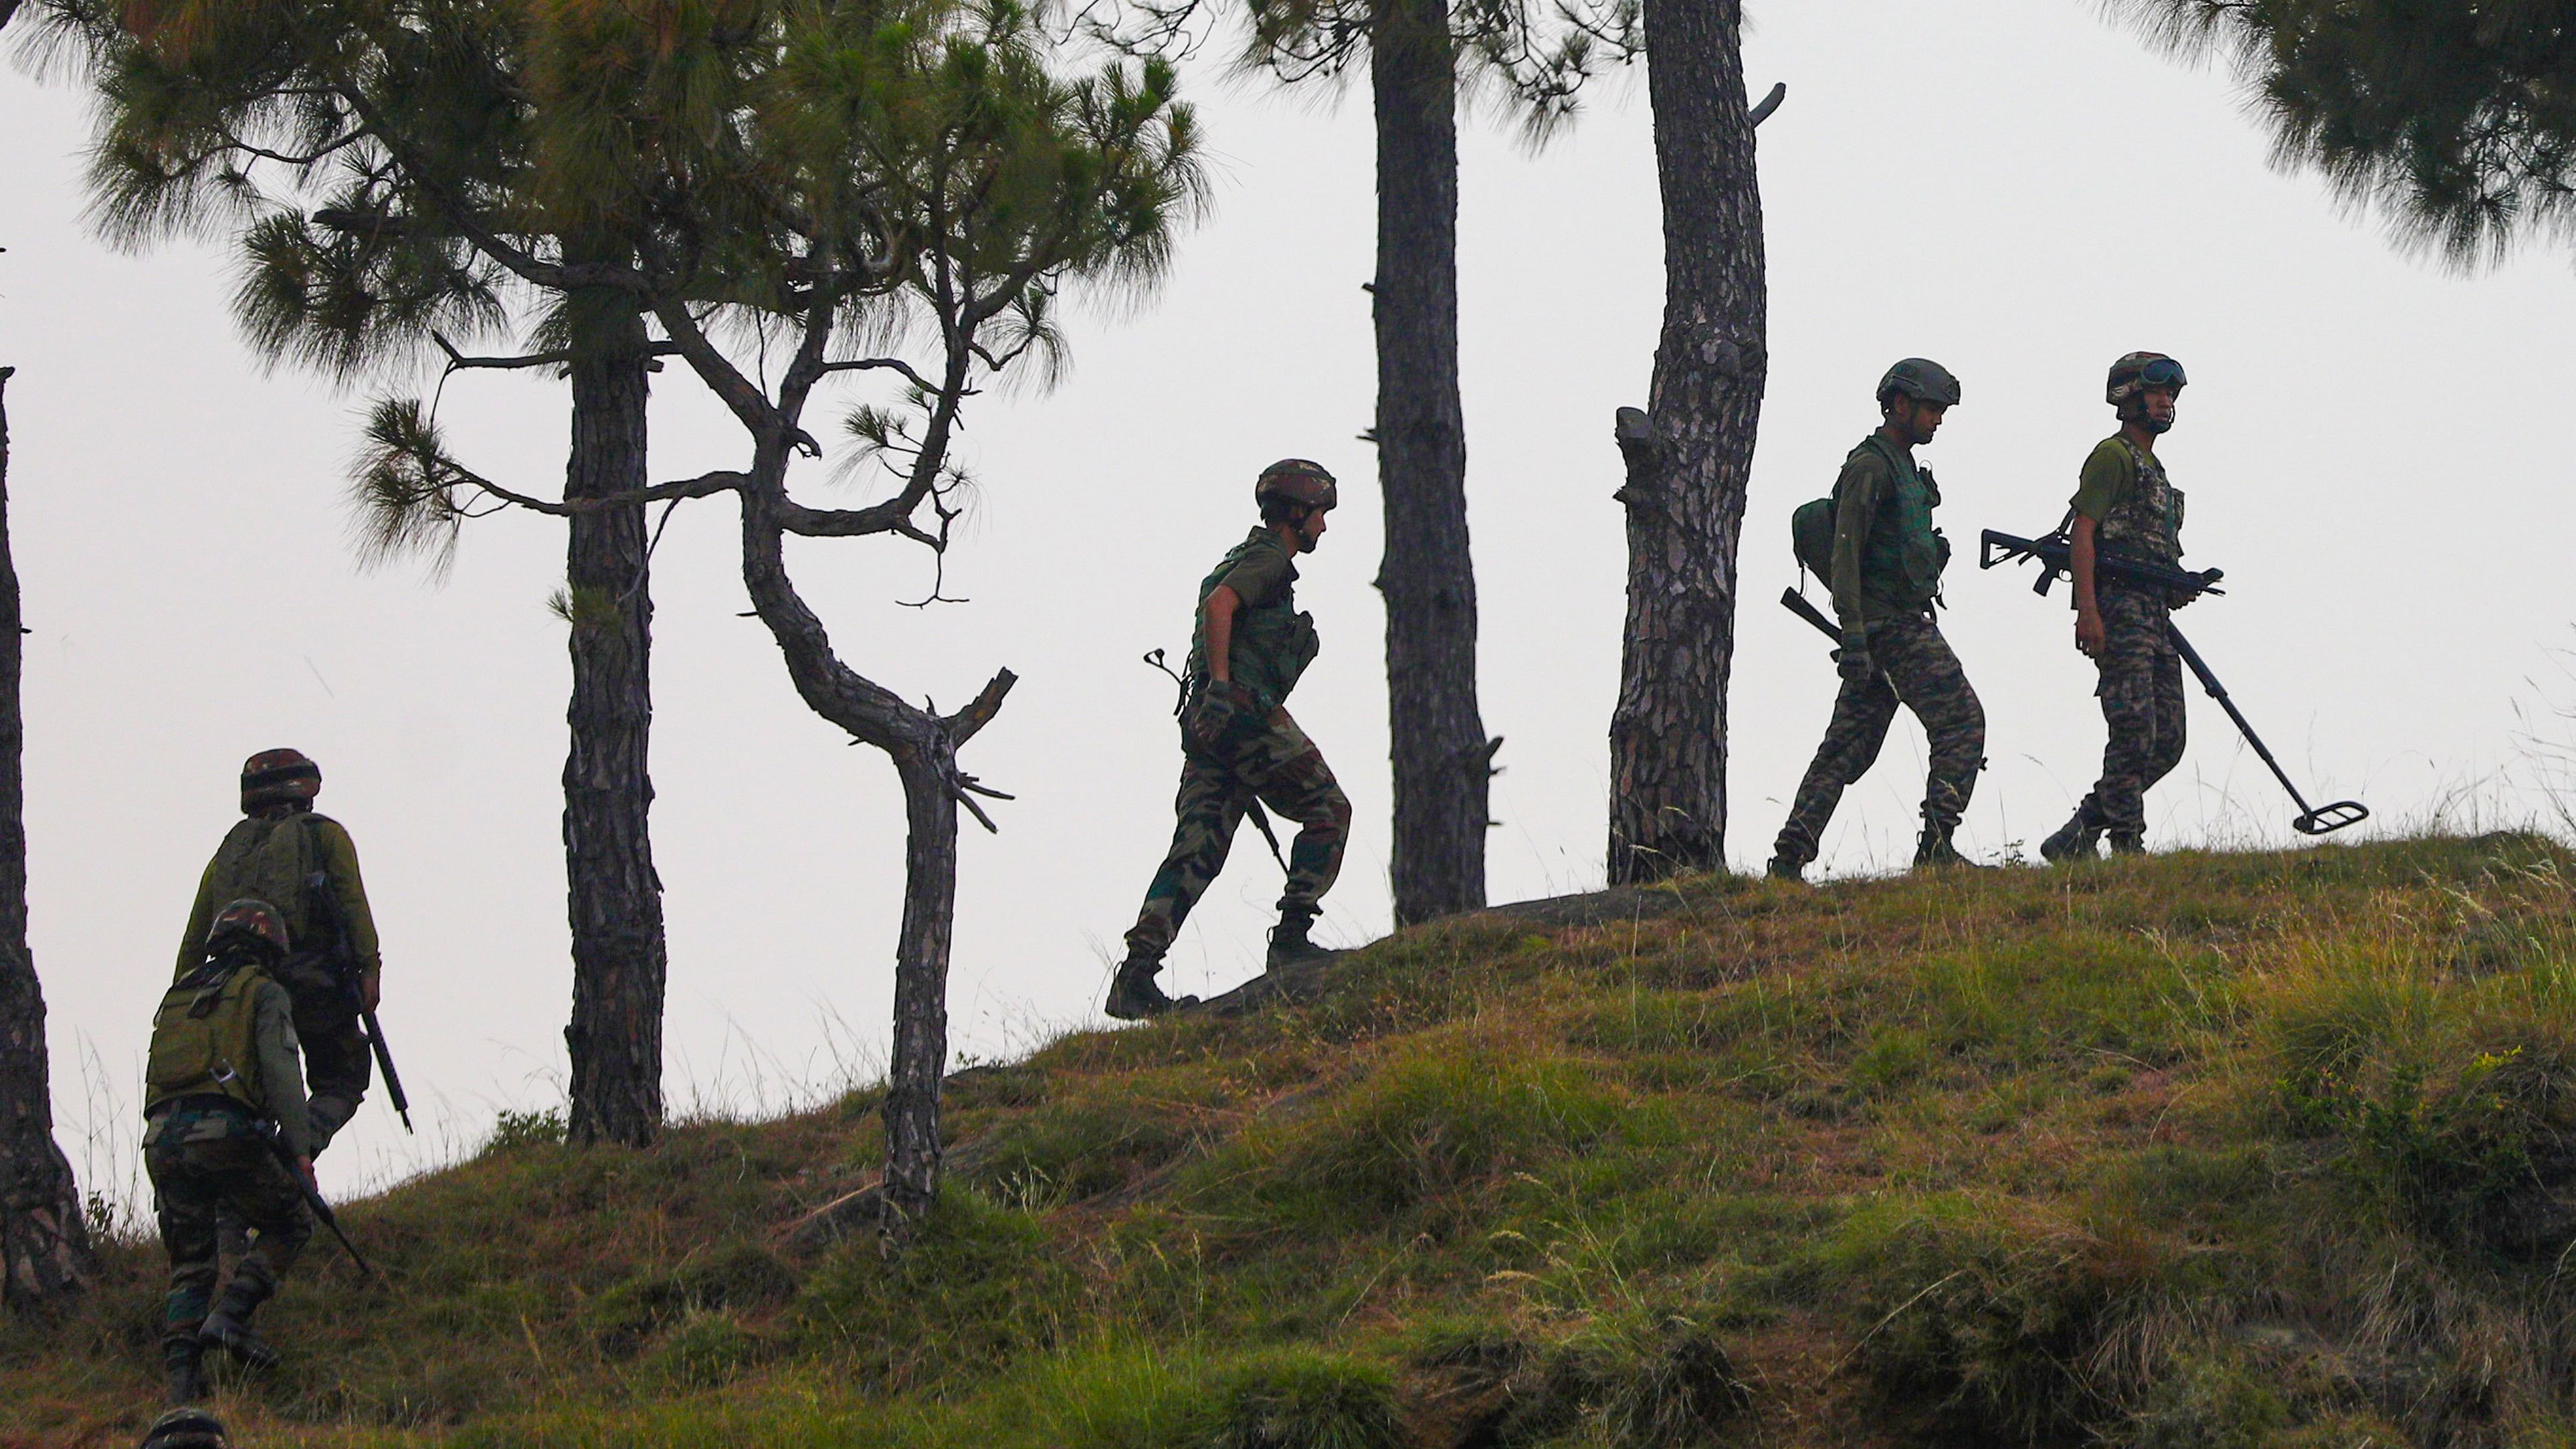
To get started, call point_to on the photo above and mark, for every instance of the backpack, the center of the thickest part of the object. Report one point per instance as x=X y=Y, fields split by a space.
x=205 y=1038
x=1811 y=537
x=272 y=861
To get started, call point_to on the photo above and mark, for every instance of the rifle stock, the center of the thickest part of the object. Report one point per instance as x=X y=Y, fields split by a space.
x=1796 y=603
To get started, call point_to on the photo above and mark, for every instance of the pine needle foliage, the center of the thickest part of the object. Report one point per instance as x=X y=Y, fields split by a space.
x=2458 y=121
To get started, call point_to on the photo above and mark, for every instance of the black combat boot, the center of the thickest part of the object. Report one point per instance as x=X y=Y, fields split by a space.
x=1933 y=849
x=1289 y=946
x=1133 y=996
x=186 y=1429
x=2128 y=842
x=228 y=1327
x=1789 y=868
x=183 y=1359
x=2077 y=839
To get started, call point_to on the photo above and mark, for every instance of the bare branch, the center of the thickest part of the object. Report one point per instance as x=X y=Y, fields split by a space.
x=966 y=723
x=893 y=364
x=1770 y=103
x=706 y=485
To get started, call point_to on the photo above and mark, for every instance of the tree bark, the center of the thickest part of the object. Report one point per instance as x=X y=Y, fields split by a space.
x=44 y=1241
x=614 y=897
x=1690 y=454
x=1442 y=761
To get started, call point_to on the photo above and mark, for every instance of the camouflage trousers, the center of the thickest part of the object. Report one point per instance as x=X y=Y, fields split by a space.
x=338 y=1065
x=1230 y=757
x=2142 y=707
x=208 y=1162
x=1915 y=669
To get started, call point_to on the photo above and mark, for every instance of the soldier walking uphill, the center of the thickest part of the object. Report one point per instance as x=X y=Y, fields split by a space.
x=2123 y=504
x=305 y=865
x=1238 y=744
x=221 y=1078
x=1886 y=573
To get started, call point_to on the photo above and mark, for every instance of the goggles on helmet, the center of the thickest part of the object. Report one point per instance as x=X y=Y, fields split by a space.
x=2162 y=372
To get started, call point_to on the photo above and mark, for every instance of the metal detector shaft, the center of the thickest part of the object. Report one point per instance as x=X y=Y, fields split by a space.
x=2312 y=820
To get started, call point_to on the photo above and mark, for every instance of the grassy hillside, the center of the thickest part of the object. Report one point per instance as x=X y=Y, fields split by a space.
x=2204 y=1150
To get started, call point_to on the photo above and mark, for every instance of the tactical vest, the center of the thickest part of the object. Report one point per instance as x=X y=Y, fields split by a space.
x=1272 y=642
x=205 y=1039
x=2147 y=522
x=1903 y=562
x=272 y=861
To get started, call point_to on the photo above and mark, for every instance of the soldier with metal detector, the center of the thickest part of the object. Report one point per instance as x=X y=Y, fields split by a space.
x=2122 y=544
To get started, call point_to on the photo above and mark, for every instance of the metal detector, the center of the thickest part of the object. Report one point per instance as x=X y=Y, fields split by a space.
x=2313 y=820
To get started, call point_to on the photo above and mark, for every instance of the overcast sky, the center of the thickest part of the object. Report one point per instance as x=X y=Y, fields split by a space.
x=2372 y=448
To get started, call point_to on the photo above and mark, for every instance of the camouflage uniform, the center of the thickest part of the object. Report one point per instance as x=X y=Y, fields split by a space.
x=1238 y=744
x=2137 y=512
x=290 y=855
x=1886 y=570
x=206 y=1148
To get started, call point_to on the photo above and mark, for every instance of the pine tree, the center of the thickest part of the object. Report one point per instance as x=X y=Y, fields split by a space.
x=1690 y=453
x=1418 y=52
x=828 y=175
x=44 y=1240
x=373 y=162
x=2456 y=120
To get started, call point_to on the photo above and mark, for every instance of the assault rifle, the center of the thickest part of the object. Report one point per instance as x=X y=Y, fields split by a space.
x=2055 y=553
x=343 y=965
x=313 y=1198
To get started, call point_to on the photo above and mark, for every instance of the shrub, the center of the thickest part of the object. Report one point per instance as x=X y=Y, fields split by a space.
x=1302 y=1399
x=1981 y=1308
x=1421 y=1127
x=979 y=1283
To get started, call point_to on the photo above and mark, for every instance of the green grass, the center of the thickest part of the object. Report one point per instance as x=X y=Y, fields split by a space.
x=2255 y=1149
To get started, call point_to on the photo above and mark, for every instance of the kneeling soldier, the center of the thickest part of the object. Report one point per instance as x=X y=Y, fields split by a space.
x=222 y=1078
x=1238 y=744
x=2124 y=504
x=304 y=865
x=1887 y=566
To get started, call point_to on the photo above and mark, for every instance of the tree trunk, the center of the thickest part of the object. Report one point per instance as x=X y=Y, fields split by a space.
x=916 y=1076
x=924 y=749
x=1442 y=760
x=614 y=897
x=44 y=1243
x=1690 y=455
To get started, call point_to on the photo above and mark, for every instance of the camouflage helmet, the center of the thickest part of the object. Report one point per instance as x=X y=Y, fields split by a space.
x=188 y=1428
x=2137 y=372
x=278 y=777
x=1295 y=480
x=1922 y=379
x=254 y=922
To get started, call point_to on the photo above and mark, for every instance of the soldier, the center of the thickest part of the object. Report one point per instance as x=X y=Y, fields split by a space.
x=306 y=866
x=1887 y=562
x=1238 y=744
x=220 y=1079
x=2123 y=503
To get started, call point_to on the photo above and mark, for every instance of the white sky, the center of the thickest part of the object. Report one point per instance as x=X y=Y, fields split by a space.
x=2370 y=448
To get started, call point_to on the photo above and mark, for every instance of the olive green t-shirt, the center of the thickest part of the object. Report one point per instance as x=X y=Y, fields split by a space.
x=1261 y=575
x=2106 y=480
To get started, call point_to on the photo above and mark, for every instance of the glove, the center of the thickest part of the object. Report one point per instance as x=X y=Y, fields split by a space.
x=1854 y=658
x=1215 y=710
